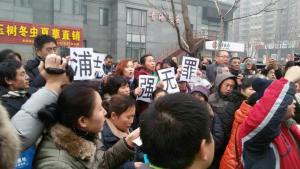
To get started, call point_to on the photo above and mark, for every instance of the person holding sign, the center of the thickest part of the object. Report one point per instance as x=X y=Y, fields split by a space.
x=147 y=68
x=189 y=68
x=167 y=76
x=125 y=69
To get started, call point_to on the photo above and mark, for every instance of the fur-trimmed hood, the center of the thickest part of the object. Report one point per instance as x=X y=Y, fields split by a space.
x=9 y=141
x=76 y=146
x=63 y=148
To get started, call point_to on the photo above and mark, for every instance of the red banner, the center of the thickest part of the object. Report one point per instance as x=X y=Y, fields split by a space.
x=24 y=33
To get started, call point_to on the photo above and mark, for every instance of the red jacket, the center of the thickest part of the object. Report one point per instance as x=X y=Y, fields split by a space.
x=141 y=71
x=141 y=106
x=230 y=158
x=265 y=141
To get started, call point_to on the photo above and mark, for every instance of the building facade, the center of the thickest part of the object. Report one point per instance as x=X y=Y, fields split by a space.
x=274 y=31
x=122 y=28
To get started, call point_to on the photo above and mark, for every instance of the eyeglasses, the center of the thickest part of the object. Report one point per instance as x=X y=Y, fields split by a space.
x=224 y=56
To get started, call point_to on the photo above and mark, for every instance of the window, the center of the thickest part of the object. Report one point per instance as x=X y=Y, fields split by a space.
x=84 y=13
x=103 y=16
x=77 y=7
x=136 y=33
x=57 y=5
x=22 y=3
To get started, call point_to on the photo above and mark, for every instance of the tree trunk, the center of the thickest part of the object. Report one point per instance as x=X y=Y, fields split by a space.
x=187 y=26
x=178 y=31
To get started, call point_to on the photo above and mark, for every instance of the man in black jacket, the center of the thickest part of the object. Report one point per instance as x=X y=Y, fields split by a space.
x=14 y=85
x=221 y=60
x=44 y=45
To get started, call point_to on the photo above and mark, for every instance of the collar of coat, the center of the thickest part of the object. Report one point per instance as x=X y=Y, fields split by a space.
x=76 y=146
x=15 y=94
x=115 y=131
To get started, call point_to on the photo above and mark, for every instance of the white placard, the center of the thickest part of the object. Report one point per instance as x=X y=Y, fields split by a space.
x=167 y=76
x=98 y=59
x=148 y=85
x=189 y=68
x=82 y=63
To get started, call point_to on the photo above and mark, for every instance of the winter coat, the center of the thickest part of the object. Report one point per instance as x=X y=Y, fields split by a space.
x=235 y=101
x=26 y=122
x=235 y=72
x=264 y=140
x=36 y=80
x=219 y=104
x=62 y=148
x=108 y=69
x=141 y=106
x=9 y=141
x=230 y=158
x=211 y=71
x=217 y=101
x=13 y=101
x=141 y=71
x=109 y=139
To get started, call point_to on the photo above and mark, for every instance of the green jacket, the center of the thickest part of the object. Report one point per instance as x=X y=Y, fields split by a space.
x=61 y=148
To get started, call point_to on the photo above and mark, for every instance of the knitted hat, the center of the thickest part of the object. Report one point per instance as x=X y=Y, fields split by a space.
x=260 y=85
x=203 y=90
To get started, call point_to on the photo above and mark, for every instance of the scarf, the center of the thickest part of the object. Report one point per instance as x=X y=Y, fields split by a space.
x=16 y=94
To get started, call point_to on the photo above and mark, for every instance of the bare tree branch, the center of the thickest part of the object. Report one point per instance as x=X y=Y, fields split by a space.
x=218 y=8
x=221 y=36
x=265 y=9
x=177 y=29
x=169 y=20
x=187 y=44
x=250 y=15
x=187 y=25
x=233 y=7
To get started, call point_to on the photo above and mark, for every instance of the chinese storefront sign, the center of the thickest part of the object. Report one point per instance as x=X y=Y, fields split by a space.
x=24 y=33
x=155 y=15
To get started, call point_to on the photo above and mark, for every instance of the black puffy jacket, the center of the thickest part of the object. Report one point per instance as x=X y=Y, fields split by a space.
x=36 y=80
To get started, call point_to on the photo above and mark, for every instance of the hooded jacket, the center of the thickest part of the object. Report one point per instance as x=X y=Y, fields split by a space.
x=9 y=142
x=218 y=101
x=62 y=148
x=264 y=139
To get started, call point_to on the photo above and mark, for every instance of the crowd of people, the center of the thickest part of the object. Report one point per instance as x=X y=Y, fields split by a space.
x=232 y=116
